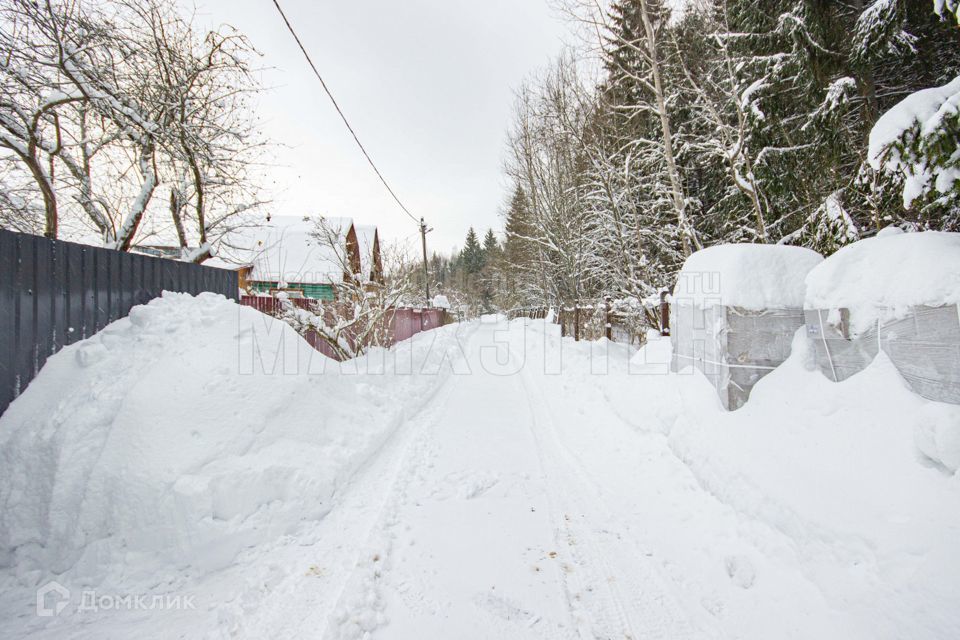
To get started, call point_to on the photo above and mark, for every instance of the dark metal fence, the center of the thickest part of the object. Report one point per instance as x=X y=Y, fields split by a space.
x=54 y=293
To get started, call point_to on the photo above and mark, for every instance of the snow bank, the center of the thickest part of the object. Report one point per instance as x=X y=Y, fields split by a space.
x=818 y=510
x=881 y=278
x=185 y=433
x=750 y=276
x=857 y=475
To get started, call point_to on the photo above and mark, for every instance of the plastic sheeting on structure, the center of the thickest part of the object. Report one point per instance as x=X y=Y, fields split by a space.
x=924 y=346
x=733 y=347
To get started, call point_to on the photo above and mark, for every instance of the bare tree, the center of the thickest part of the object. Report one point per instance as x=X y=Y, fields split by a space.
x=361 y=315
x=105 y=103
x=546 y=159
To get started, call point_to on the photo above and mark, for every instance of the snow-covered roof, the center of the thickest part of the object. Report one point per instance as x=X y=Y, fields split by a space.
x=285 y=250
x=221 y=263
x=366 y=239
x=884 y=276
x=750 y=276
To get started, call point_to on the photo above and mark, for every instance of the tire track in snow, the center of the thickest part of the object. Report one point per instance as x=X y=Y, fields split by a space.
x=612 y=592
x=359 y=610
x=354 y=529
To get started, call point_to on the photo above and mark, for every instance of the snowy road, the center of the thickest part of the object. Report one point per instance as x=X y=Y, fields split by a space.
x=488 y=480
x=491 y=534
x=477 y=522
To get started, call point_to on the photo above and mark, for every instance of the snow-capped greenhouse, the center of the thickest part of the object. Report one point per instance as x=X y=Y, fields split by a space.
x=735 y=311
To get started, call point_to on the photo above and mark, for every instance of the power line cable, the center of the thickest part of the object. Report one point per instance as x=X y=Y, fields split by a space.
x=340 y=111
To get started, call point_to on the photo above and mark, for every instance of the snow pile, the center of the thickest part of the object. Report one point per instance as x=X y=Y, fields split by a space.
x=818 y=510
x=858 y=476
x=881 y=278
x=749 y=276
x=185 y=433
x=440 y=301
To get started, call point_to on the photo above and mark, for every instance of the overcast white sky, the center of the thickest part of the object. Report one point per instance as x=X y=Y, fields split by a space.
x=427 y=85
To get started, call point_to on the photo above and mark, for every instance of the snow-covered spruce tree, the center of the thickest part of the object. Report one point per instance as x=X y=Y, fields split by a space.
x=472 y=253
x=635 y=32
x=489 y=281
x=517 y=261
x=919 y=139
x=475 y=263
x=823 y=73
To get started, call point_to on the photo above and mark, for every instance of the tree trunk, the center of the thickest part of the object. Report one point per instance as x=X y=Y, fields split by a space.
x=687 y=235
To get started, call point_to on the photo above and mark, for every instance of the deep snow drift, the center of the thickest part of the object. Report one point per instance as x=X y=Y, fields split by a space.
x=185 y=433
x=481 y=480
x=812 y=512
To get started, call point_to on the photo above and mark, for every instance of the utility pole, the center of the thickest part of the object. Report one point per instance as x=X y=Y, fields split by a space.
x=426 y=274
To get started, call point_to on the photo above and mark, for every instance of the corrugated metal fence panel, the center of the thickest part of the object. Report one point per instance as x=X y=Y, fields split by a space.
x=401 y=324
x=431 y=319
x=8 y=316
x=54 y=293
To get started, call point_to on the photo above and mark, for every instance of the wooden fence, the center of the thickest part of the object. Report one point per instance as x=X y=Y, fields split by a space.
x=54 y=293
x=401 y=323
x=605 y=320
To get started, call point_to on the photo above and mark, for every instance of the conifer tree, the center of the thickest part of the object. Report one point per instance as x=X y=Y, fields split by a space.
x=472 y=254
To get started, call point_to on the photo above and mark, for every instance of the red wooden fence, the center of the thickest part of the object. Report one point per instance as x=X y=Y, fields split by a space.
x=404 y=323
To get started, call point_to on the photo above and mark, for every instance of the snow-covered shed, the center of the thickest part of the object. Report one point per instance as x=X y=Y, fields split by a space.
x=735 y=310
x=899 y=292
x=287 y=254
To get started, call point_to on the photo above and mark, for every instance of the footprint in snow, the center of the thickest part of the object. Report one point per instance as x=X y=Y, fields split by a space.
x=741 y=571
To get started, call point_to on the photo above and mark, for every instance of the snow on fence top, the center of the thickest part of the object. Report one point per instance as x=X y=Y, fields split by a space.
x=749 y=276
x=881 y=278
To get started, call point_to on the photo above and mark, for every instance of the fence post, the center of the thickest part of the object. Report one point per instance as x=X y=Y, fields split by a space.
x=608 y=327
x=576 y=322
x=664 y=314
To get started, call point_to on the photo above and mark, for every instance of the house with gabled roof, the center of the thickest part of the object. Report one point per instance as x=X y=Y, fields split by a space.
x=287 y=256
x=371 y=263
